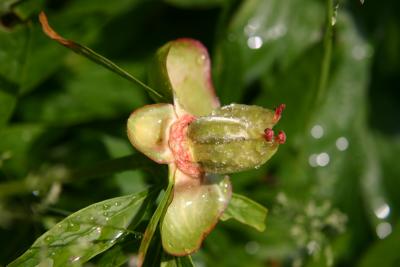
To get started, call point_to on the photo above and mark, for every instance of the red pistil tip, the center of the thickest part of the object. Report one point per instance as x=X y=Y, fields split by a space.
x=278 y=112
x=281 y=137
x=268 y=134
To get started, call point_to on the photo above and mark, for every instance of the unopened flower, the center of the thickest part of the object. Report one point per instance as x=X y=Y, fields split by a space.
x=199 y=140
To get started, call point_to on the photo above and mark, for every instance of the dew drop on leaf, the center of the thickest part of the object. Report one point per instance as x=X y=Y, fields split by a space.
x=49 y=239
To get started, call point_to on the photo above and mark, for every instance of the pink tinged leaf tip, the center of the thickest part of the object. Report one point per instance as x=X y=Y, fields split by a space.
x=281 y=137
x=278 y=112
x=268 y=134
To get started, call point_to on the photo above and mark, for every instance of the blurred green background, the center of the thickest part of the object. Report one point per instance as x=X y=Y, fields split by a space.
x=331 y=190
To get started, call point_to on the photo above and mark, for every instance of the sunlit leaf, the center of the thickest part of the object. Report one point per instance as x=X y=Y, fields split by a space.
x=86 y=233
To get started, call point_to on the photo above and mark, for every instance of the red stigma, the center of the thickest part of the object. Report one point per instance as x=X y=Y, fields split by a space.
x=268 y=134
x=278 y=112
x=280 y=138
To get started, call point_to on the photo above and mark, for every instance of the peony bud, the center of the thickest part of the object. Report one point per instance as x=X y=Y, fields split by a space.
x=234 y=138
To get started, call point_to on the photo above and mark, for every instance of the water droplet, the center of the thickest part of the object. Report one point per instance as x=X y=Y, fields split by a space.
x=383 y=230
x=342 y=143
x=254 y=42
x=201 y=59
x=36 y=193
x=48 y=239
x=323 y=159
x=98 y=230
x=188 y=203
x=72 y=227
x=317 y=131
x=117 y=203
x=106 y=214
x=382 y=211
x=106 y=206
x=334 y=17
x=74 y=258
x=118 y=234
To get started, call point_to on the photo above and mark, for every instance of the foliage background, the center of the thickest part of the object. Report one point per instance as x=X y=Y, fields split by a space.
x=60 y=112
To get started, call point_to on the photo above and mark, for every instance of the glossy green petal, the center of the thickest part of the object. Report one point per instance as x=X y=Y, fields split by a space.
x=148 y=131
x=193 y=212
x=182 y=70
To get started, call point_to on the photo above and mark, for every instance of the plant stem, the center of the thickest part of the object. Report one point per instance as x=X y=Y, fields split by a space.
x=93 y=56
x=157 y=216
x=327 y=54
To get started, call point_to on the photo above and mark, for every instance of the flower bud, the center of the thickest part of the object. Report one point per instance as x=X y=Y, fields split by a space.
x=234 y=138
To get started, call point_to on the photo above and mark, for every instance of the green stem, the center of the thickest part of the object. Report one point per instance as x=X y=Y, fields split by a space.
x=317 y=99
x=99 y=59
x=158 y=214
x=92 y=55
x=327 y=55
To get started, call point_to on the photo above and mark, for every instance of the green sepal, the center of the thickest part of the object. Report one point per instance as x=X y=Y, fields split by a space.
x=246 y=211
x=194 y=211
x=181 y=71
x=148 y=131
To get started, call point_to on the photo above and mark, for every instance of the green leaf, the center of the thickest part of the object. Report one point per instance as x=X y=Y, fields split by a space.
x=160 y=211
x=72 y=101
x=16 y=141
x=246 y=211
x=384 y=253
x=93 y=56
x=263 y=34
x=86 y=233
x=105 y=168
x=8 y=101
x=114 y=257
x=182 y=70
x=193 y=212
